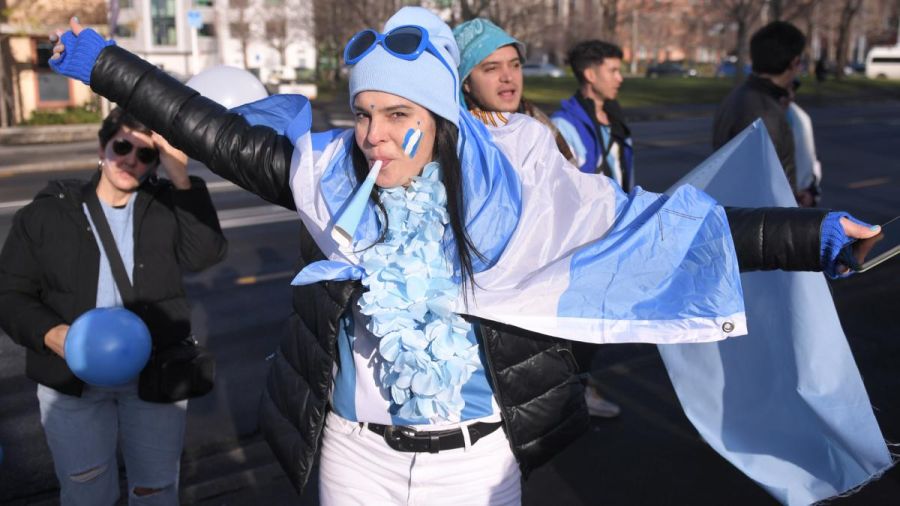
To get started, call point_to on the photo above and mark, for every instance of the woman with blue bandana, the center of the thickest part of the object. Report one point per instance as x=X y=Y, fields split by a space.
x=445 y=265
x=492 y=85
x=490 y=70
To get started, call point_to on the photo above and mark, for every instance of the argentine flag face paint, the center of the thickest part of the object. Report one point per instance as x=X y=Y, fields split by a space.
x=411 y=142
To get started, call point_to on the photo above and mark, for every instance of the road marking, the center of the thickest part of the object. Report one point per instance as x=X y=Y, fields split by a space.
x=222 y=187
x=13 y=204
x=78 y=163
x=262 y=278
x=868 y=183
x=671 y=143
x=258 y=215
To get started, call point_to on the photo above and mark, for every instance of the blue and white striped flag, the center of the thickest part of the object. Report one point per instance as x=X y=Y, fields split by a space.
x=784 y=404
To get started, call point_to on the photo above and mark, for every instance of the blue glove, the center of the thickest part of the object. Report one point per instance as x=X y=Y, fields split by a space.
x=81 y=52
x=833 y=240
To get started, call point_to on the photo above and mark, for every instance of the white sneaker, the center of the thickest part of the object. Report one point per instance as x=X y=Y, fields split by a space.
x=600 y=407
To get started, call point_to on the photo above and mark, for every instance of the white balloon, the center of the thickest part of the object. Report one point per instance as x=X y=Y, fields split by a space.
x=229 y=86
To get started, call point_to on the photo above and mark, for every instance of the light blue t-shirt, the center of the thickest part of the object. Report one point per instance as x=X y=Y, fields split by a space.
x=121 y=224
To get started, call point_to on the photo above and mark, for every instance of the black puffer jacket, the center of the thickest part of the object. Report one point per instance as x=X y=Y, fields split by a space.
x=533 y=376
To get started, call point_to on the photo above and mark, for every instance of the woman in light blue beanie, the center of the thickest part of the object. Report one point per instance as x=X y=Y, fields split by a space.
x=423 y=361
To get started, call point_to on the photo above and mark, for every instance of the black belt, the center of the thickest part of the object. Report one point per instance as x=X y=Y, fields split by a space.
x=408 y=439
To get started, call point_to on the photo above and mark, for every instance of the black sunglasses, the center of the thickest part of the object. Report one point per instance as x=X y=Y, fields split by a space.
x=146 y=156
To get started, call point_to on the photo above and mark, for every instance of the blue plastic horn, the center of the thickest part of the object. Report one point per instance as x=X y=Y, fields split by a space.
x=348 y=221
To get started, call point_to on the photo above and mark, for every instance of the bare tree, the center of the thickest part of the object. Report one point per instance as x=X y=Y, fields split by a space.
x=285 y=24
x=610 y=11
x=471 y=9
x=849 y=9
x=743 y=13
x=335 y=23
x=6 y=95
x=240 y=28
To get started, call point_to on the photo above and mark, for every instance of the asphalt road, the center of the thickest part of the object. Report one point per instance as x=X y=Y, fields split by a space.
x=649 y=455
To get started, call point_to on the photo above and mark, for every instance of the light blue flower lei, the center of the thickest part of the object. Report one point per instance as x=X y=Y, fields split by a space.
x=410 y=300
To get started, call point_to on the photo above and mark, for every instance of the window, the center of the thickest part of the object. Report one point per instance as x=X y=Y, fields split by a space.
x=44 y=52
x=162 y=13
x=203 y=3
x=52 y=88
x=207 y=30
x=125 y=31
x=885 y=59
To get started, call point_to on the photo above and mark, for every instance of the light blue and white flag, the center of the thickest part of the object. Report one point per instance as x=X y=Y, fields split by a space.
x=565 y=253
x=784 y=404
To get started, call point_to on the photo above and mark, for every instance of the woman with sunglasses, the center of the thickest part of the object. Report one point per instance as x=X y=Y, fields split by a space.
x=419 y=358
x=53 y=269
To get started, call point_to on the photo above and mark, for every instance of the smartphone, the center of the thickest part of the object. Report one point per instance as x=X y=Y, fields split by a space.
x=861 y=255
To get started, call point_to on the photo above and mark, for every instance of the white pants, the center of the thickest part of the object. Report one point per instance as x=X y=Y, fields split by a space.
x=358 y=468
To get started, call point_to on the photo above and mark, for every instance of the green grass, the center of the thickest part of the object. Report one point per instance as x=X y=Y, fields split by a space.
x=643 y=92
x=69 y=116
x=855 y=87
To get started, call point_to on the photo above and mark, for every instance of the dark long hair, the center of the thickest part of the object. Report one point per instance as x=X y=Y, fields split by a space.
x=446 y=136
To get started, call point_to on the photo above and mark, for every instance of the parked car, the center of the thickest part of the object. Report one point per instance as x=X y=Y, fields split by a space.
x=858 y=67
x=728 y=67
x=883 y=62
x=541 y=70
x=670 y=69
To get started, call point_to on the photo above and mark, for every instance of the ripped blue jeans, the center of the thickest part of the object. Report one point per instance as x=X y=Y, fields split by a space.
x=83 y=433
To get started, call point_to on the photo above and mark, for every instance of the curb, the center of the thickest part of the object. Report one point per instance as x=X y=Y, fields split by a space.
x=48 y=134
x=77 y=164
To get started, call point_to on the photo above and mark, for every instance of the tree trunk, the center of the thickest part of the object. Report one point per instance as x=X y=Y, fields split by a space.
x=848 y=12
x=4 y=100
x=610 y=20
x=775 y=10
x=741 y=48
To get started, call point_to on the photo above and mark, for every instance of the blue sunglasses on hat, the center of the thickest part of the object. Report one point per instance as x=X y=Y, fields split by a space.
x=405 y=42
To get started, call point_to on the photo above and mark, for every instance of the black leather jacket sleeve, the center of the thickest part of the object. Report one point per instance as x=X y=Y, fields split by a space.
x=769 y=238
x=258 y=159
x=255 y=158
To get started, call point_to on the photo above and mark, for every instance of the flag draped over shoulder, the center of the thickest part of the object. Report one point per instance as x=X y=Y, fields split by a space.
x=784 y=404
x=589 y=263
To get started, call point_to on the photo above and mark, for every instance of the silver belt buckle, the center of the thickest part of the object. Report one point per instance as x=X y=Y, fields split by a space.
x=394 y=434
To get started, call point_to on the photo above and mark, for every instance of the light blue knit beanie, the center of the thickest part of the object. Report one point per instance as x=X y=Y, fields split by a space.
x=425 y=80
x=477 y=39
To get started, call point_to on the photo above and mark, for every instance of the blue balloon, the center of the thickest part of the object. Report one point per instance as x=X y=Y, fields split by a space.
x=107 y=346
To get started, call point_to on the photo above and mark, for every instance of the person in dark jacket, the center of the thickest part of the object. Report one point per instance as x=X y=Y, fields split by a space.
x=53 y=269
x=390 y=368
x=775 y=50
x=592 y=121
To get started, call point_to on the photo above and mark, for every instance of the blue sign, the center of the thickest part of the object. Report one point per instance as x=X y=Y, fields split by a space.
x=195 y=19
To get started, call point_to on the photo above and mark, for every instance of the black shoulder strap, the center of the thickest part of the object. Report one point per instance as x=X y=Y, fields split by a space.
x=109 y=245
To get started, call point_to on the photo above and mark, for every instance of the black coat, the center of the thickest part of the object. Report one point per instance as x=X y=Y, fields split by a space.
x=50 y=263
x=533 y=376
x=756 y=98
